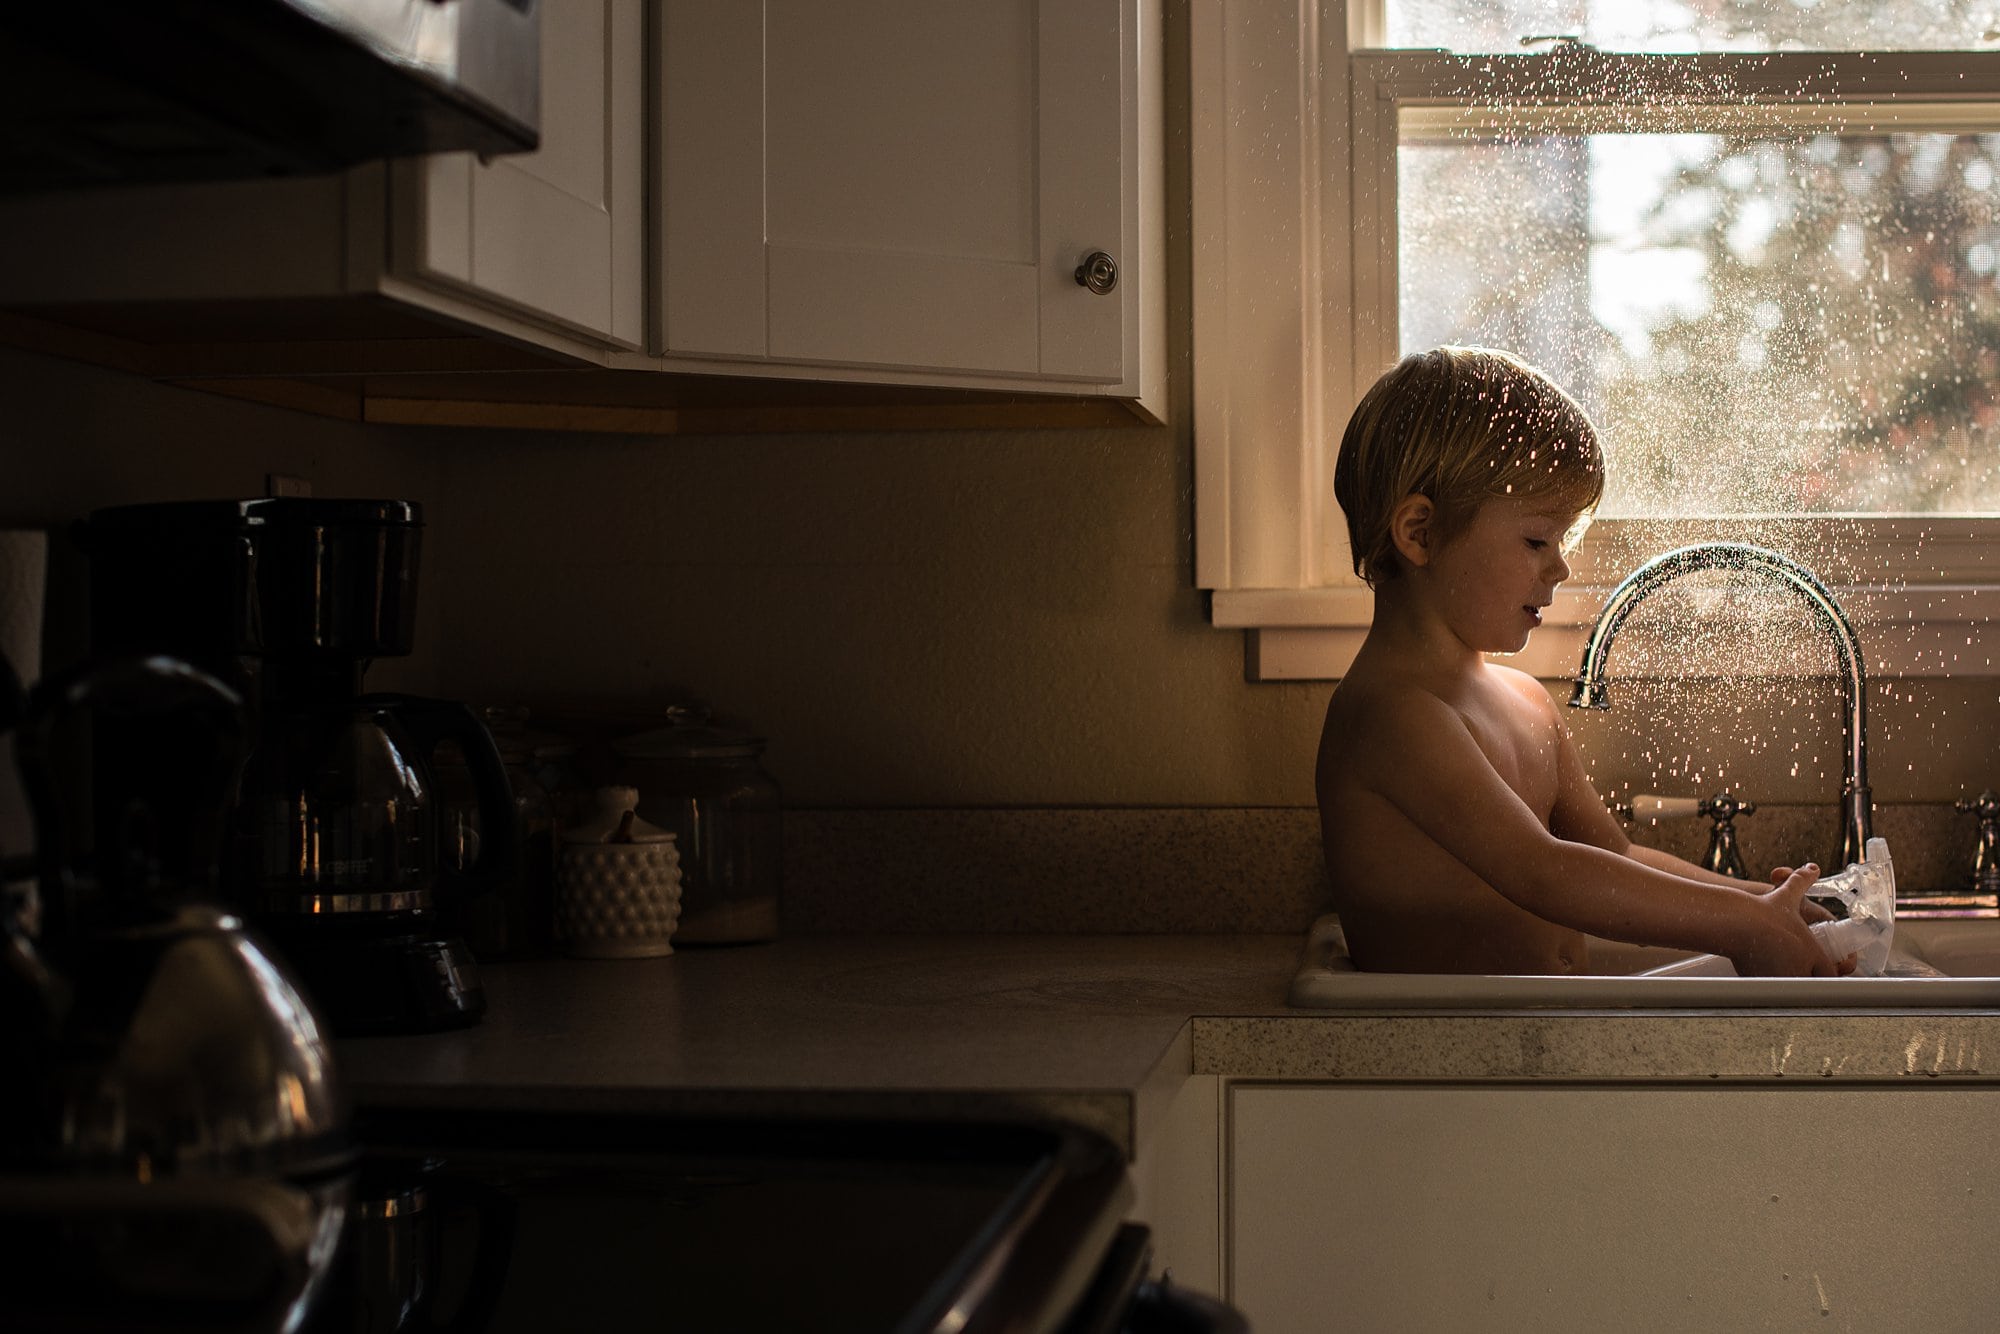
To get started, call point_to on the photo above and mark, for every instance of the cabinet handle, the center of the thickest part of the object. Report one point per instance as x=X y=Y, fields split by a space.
x=1098 y=272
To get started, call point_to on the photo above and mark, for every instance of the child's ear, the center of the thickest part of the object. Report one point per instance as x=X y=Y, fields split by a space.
x=1410 y=528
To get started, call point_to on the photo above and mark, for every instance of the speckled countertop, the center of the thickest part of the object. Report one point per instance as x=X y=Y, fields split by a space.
x=1096 y=1030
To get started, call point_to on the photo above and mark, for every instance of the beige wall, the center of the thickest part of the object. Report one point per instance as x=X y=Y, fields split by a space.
x=956 y=619
x=962 y=619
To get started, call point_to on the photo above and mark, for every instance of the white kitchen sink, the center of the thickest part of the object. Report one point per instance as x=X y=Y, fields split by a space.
x=1936 y=964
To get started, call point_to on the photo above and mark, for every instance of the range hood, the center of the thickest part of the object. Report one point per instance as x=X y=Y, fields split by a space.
x=104 y=92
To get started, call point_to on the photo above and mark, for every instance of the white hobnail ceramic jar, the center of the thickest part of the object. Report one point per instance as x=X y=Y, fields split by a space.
x=618 y=883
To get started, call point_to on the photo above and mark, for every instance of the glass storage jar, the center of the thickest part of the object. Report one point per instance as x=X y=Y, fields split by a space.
x=706 y=784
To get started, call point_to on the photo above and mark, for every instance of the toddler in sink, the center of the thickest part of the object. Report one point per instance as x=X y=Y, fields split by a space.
x=1461 y=831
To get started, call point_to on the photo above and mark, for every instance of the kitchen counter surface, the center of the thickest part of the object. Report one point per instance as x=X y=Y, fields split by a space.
x=1089 y=1029
x=1095 y=1030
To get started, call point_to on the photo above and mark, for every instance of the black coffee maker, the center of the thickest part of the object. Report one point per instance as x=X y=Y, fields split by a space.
x=335 y=827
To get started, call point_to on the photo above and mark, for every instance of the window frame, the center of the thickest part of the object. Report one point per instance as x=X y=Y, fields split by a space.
x=1295 y=119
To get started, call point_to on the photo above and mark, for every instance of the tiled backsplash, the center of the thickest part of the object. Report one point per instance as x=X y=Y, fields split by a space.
x=1066 y=869
x=1931 y=843
x=1194 y=870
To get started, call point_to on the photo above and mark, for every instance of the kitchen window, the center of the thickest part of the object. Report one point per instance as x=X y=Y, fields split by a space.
x=1758 y=239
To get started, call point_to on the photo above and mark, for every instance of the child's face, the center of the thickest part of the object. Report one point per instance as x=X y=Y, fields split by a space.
x=1497 y=575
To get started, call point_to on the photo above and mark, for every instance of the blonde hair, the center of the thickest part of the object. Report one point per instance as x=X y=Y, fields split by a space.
x=1460 y=426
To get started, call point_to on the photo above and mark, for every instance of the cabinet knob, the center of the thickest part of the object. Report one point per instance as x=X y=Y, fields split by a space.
x=1098 y=272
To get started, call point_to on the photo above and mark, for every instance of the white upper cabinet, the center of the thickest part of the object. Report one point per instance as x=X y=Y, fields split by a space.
x=557 y=233
x=902 y=190
x=895 y=193
x=544 y=248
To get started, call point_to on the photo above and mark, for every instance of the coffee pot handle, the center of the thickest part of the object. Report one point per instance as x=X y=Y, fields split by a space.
x=31 y=998
x=430 y=722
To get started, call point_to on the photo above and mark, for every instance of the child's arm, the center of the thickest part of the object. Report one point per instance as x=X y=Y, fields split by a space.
x=1581 y=815
x=1430 y=767
x=1661 y=859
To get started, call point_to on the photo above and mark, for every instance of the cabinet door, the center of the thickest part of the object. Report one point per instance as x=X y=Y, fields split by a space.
x=898 y=183
x=1549 y=1209
x=557 y=233
x=1176 y=1191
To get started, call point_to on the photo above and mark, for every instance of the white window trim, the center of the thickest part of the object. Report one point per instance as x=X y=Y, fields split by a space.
x=1291 y=266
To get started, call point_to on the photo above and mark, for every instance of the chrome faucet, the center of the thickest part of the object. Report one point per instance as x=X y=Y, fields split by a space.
x=1857 y=808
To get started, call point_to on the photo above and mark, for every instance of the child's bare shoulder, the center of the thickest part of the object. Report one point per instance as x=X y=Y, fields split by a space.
x=1394 y=722
x=1385 y=716
x=1523 y=686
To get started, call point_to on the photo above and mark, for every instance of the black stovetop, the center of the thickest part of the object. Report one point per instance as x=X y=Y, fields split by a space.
x=500 y=1222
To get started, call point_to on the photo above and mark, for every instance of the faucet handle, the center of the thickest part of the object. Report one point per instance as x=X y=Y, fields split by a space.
x=1652 y=807
x=1726 y=806
x=1984 y=873
x=1723 y=857
x=1986 y=805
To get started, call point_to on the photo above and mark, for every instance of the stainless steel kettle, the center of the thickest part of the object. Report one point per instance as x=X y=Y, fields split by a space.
x=176 y=1148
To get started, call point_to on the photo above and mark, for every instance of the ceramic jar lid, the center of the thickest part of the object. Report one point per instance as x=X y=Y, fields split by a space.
x=613 y=818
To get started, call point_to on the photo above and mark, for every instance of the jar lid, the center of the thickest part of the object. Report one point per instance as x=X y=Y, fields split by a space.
x=689 y=741
x=507 y=724
x=613 y=818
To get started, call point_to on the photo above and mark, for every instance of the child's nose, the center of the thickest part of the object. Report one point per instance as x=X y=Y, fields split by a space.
x=1559 y=567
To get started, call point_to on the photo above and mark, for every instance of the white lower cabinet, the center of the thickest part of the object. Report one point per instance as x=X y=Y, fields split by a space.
x=1630 y=1208
x=1177 y=1191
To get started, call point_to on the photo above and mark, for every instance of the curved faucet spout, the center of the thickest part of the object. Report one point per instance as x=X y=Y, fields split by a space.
x=1591 y=692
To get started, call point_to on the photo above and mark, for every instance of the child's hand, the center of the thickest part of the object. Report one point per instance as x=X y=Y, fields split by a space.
x=1785 y=947
x=1812 y=912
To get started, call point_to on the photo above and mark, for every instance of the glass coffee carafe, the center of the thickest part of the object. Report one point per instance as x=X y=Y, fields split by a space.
x=336 y=825
x=339 y=842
